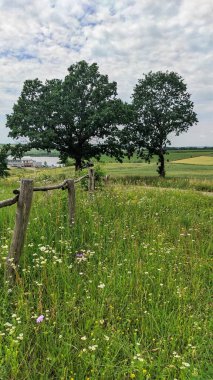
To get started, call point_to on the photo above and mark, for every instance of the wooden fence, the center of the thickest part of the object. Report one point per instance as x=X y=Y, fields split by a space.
x=23 y=197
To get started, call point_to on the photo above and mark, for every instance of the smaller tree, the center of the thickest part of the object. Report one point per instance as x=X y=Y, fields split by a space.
x=4 y=171
x=161 y=106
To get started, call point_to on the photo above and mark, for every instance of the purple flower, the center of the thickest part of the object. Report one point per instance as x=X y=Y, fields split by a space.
x=40 y=319
x=79 y=255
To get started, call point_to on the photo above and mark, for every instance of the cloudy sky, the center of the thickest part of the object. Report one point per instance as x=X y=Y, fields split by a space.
x=41 y=39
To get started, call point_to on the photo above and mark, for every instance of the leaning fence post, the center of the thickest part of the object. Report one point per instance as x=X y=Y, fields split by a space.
x=71 y=200
x=91 y=182
x=22 y=217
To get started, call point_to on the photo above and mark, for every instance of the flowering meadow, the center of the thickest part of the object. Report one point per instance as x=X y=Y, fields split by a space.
x=123 y=294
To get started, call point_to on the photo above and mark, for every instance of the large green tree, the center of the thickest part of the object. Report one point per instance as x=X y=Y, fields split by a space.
x=161 y=106
x=77 y=116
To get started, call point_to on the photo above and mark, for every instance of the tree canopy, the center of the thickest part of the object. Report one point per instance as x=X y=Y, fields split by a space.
x=77 y=116
x=161 y=105
x=81 y=116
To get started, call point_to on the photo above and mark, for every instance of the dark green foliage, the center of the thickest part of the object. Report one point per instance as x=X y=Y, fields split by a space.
x=77 y=116
x=161 y=106
x=4 y=171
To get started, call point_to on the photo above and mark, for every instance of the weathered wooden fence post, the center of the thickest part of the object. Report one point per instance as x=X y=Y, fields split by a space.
x=22 y=217
x=71 y=200
x=91 y=182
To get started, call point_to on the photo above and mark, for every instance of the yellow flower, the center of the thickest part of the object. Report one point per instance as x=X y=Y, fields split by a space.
x=132 y=376
x=144 y=371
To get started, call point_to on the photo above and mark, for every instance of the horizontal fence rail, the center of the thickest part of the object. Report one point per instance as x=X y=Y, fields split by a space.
x=9 y=202
x=23 y=198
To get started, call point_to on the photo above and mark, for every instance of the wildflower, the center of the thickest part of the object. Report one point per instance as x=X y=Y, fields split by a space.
x=79 y=255
x=93 y=348
x=42 y=249
x=186 y=364
x=132 y=376
x=106 y=337
x=83 y=338
x=101 y=285
x=7 y=324
x=40 y=319
x=20 y=337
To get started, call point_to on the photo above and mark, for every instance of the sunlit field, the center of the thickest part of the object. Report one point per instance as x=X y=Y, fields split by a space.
x=200 y=160
x=124 y=294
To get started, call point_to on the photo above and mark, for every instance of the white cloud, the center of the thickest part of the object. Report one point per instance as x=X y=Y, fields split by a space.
x=125 y=37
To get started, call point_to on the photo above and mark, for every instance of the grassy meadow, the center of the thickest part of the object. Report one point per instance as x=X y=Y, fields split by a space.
x=125 y=293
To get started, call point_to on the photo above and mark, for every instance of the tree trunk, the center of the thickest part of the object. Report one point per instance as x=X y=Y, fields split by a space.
x=161 y=166
x=78 y=164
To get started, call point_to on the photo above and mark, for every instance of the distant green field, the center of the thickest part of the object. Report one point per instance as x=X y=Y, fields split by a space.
x=172 y=170
x=173 y=155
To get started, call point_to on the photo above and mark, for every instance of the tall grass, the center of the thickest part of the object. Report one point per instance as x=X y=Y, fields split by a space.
x=170 y=182
x=125 y=293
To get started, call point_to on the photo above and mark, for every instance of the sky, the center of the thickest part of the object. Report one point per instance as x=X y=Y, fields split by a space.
x=127 y=38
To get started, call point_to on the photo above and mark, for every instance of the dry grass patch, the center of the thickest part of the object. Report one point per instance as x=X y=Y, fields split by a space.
x=200 y=160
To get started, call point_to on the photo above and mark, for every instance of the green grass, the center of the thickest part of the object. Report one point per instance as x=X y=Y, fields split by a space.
x=172 y=170
x=138 y=306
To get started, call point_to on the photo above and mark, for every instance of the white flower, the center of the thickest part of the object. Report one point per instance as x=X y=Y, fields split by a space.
x=42 y=249
x=106 y=337
x=93 y=348
x=186 y=364
x=83 y=338
x=101 y=285
x=141 y=359
x=7 y=324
